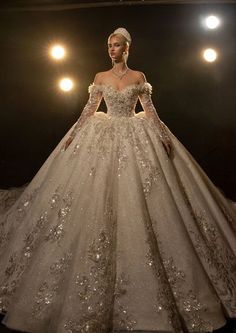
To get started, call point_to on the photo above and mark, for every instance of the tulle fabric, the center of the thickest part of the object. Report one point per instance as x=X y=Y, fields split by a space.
x=112 y=235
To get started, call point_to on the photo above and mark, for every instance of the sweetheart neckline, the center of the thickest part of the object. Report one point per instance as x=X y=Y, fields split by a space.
x=120 y=90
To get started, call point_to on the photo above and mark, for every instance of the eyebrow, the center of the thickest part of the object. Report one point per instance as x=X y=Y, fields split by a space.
x=113 y=43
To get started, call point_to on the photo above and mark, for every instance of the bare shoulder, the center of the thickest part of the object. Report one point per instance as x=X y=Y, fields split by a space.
x=100 y=77
x=138 y=76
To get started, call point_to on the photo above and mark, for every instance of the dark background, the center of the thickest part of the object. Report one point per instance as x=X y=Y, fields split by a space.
x=195 y=99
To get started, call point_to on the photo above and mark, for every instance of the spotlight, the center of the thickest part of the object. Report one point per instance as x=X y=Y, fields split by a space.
x=58 y=52
x=212 y=22
x=210 y=55
x=66 y=84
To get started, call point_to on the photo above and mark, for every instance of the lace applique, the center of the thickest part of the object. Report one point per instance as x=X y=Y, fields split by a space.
x=150 y=111
x=121 y=103
x=106 y=133
x=120 y=106
x=219 y=259
x=26 y=202
x=122 y=318
x=22 y=207
x=77 y=146
x=151 y=178
x=18 y=261
x=97 y=288
x=149 y=172
x=57 y=232
x=102 y=145
x=90 y=108
x=122 y=158
x=49 y=288
x=171 y=297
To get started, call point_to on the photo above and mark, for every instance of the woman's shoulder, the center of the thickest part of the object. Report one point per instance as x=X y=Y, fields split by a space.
x=142 y=81
x=138 y=76
x=100 y=76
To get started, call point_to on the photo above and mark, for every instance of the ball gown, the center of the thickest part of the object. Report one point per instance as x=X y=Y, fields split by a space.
x=114 y=235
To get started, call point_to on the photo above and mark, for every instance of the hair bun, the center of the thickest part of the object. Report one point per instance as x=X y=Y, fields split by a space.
x=123 y=32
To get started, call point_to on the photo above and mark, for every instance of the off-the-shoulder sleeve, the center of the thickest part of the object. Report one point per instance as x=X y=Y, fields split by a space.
x=146 y=87
x=150 y=111
x=95 y=88
x=95 y=97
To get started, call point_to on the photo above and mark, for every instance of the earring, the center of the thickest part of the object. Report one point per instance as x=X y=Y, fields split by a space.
x=125 y=56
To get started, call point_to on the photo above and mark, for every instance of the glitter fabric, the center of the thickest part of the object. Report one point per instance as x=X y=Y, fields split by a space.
x=112 y=235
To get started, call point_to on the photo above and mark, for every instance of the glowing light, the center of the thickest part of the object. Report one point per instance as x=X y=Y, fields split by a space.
x=58 y=52
x=212 y=22
x=66 y=84
x=210 y=55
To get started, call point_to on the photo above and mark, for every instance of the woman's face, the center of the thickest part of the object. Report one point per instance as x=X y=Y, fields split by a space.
x=116 y=47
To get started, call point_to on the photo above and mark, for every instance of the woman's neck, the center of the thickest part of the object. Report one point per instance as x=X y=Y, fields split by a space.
x=120 y=67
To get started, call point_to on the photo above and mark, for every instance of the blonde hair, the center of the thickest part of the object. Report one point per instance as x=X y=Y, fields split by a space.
x=126 y=43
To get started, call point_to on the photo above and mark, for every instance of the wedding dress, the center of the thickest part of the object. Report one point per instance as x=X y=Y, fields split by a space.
x=113 y=235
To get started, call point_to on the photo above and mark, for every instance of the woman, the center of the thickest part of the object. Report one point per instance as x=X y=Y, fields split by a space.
x=120 y=230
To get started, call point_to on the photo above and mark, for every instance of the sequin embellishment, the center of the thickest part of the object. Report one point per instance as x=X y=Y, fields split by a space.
x=183 y=308
x=19 y=260
x=57 y=232
x=22 y=207
x=219 y=259
x=49 y=288
x=97 y=288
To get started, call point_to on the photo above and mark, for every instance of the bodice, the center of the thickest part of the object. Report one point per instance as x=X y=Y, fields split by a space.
x=120 y=103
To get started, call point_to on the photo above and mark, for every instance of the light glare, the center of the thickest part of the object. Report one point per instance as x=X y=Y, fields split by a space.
x=212 y=22
x=58 y=52
x=66 y=84
x=209 y=55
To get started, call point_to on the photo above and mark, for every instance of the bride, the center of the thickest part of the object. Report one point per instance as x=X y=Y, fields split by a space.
x=120 y=76
x=120 y=230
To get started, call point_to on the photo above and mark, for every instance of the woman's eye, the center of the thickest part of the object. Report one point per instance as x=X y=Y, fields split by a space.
x=116 y=45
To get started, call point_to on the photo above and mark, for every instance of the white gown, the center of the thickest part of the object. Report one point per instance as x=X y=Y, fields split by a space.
x=112 y=235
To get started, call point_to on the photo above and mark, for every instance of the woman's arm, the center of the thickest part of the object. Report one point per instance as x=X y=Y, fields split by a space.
x=151 y=113
x=95 y=97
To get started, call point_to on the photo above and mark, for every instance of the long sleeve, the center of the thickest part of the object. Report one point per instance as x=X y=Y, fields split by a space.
x=150 y=111
x=95 y=97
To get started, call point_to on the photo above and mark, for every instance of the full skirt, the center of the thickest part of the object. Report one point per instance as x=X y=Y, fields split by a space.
x=112 y=235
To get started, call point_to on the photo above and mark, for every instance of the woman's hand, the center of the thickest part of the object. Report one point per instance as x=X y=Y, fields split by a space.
x=168 y=146
x=67 y=143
